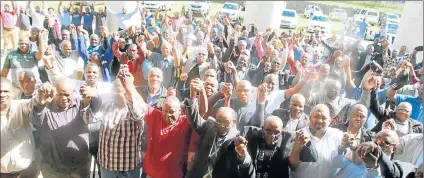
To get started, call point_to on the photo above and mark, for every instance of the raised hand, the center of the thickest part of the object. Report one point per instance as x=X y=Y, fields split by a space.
x=210 y=48
x=197 y=85
x=230 y=67
x=301 y=140
x=241 y=146
x=370 y=84
x=46 y=94
x=262 y=93
x=183 y=77
x=88 y=92
x=126 y=78
x=369 y=152
x=227 y=90
x=346 y=63
x=115 y=36
x=389 y=124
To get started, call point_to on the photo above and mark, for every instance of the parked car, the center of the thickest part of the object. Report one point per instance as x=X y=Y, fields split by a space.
x=312 y=10
x=389 y=17
x=88 y=3
x=319 y=22
x=371 y=16
x=163 y=5
x=289 y=19
x=199 y=7
x=231 y=9
x=338 y=14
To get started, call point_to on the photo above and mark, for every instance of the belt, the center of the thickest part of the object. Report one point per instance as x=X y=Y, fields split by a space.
x=8 y=29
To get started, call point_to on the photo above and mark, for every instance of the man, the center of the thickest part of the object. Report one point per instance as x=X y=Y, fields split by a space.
x=65 y=15
x=64 y=146
x=8 y=20
x=87 y=19
x=134 y=58
x=39 y=16
x=205 y=59
x=355 y=127
x=100 y=18
x=16 y=161
x=326 y=141
x=416 y=102
x=168 y=135
x=338 y=106
x=223 y=155
x=293 y=119
x=403 y=124
x=24 y=19
x=168 y=61
x=23 y=59
x=154 y=88
x=27 y=85
x=64 y=63
x=410 y=149
x=278 y=151
x=244 y=104
x=372 y=159
x=124 y=115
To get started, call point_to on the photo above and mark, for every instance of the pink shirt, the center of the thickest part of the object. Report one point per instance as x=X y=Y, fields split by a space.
x=8 y=19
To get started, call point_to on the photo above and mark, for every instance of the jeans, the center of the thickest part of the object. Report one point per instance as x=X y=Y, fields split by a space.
x=121 y=174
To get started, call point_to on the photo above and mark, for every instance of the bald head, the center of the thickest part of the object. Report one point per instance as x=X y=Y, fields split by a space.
x=273 y=122
x=172 y=100
x=65 y=88
x=297 y=97
x=358 y=107
x=244 y=83
x=321 y=108
x=333 y=84
x=389 y=135
x=244 y=92
x=226 y=112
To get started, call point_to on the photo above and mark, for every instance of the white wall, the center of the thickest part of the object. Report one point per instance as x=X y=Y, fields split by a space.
x=264 y=14
x=410 y=32
x=116 y=6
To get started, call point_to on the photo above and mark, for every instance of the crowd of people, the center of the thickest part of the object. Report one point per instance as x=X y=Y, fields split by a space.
x=203 y=97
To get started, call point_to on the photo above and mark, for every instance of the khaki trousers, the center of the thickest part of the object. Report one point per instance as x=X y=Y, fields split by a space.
x=8 y=35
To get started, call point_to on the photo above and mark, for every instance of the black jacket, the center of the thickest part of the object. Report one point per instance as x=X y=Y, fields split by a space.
x=280 y=163
x=383 y=114
x=227 y=164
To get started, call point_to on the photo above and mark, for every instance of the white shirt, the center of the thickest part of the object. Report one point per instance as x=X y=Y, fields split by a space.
x=69 y=67
x=275 y=98
x=402 y=128
x=291 y=125
x=17 y=142
x=327 y=149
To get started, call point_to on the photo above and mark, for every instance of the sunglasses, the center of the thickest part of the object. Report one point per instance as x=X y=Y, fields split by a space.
x=220 y=124
x=272 y=133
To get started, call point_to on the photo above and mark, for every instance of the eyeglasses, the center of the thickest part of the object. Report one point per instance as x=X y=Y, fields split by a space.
x=223 y=125
x=272 y=133
x=403 y=110
x=384 y=143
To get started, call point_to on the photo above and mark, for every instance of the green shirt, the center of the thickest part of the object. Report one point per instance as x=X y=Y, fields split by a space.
x=16 y=62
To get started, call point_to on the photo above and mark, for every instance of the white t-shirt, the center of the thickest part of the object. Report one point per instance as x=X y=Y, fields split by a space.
x=275 y=98
x=291 y=125
x=327 y=149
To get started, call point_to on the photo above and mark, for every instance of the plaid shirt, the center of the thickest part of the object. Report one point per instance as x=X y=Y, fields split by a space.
x=120 y=133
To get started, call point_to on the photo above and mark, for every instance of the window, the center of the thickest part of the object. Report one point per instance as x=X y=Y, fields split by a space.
x=372 y=13
x=230 y=6
x=340 y=11
x=391 y=16
x=289 y=13
x=320 y=18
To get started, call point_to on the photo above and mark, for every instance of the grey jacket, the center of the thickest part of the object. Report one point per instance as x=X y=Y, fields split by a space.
x=284 y=115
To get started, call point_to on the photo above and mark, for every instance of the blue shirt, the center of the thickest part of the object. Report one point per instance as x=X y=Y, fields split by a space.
x=351 y=170
x=65 y=18
x=417 y=106
x=150 y=99
x=76 y=19
x=167 y=67
x=88 y=20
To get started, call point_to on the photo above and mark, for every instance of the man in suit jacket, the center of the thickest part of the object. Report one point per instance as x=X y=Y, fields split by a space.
x=403 y=124
x=358 y=116
x=216 y=156
x=293 y=119
x=274 y=151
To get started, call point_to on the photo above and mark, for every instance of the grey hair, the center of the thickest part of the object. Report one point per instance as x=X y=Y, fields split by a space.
x=355 y=107
x=94 y=35
x=91 y=65
x=228 y=110
x=64 y=42
x=297 y=96
x=242 y=42
x=28 y=73
x=155 y=70
x=270 y=119
x=269 y=77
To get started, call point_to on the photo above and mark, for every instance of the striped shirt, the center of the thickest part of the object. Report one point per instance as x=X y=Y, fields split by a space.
x=120 y=133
